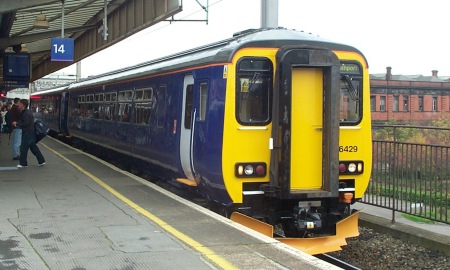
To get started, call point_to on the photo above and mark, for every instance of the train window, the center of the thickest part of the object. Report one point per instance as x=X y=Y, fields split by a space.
x=124 y=112
x=74 y=104
x=188 y=106
x=161 y=105
x=139 y=94
x=90 y=104
x=99 y=97
x=98 y=102
x=46 y=105
x=350 y=93
x=203 y=99
x=143 y=94
x=125 y=98
x=110 y=96
x=253 y=90
x=148 y=94
x=108 y=110
x=142 y=113
x=125 y=95
x=143 y=106
x=81 y=105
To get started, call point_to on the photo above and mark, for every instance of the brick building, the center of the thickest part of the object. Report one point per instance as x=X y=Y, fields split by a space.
x=409 y=98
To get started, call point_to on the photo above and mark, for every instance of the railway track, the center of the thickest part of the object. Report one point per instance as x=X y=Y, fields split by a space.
x=337 y=262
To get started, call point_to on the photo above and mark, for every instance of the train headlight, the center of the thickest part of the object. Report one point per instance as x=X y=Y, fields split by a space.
x=250 y=169
x=351 y=167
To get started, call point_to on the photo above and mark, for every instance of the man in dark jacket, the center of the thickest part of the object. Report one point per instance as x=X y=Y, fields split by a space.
x=16 y=131
x=26 y=123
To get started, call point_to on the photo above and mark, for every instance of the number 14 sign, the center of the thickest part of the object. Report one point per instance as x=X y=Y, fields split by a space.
x=62 y=49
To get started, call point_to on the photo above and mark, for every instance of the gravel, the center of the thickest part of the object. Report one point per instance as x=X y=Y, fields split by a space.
x=373 y=251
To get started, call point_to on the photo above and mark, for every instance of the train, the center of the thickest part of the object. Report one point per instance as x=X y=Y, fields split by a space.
x=271 y=126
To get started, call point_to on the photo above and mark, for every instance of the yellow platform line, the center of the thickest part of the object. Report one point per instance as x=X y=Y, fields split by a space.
x=217 y=259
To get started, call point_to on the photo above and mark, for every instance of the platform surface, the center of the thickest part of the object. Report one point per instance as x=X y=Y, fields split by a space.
x=78 y=212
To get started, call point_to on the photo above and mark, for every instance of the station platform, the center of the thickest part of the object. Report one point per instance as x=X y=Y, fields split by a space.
x=78 y=212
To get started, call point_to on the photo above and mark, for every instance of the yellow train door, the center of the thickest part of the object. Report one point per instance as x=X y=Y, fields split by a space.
x=306 y=128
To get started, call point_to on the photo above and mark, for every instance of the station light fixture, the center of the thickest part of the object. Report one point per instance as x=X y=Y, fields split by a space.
x=41 y=22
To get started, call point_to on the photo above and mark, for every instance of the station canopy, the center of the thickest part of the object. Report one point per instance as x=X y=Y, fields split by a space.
x=27 y=27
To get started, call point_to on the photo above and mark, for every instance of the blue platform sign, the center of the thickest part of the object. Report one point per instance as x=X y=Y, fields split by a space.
x=62 y=49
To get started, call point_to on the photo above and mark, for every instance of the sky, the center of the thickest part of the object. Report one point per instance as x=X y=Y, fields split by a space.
x=411 y=36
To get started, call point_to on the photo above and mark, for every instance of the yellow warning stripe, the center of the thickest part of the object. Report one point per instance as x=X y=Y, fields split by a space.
x=217 y=259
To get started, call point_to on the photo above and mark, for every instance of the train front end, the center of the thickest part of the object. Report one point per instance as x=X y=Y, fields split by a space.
x=303 y=141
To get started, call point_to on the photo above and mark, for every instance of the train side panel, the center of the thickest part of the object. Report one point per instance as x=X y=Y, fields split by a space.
x=207 y=132
x=246 y=138
x=355 y=140
x=98 y=115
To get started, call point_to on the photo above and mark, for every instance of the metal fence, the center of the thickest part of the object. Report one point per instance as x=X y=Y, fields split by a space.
x=411 y=171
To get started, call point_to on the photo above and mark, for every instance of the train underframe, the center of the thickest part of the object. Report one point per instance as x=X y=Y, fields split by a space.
x=313 y=226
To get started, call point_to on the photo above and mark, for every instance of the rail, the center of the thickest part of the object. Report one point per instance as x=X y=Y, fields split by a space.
x=411 y=171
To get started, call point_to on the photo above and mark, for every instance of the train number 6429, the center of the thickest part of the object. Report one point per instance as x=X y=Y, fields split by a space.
x=348 y=148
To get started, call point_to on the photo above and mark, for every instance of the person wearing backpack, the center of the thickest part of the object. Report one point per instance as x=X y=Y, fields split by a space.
x=26 y=123
x=16 y=132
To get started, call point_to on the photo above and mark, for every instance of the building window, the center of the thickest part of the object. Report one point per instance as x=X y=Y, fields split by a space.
x=382 y=104
x=395 y=104
x=434 y=105
x=405 y=104
x=372 y=103
x=420 y=104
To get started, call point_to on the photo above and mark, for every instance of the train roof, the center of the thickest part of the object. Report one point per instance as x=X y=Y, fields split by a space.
x=214 y=53
x=58 y=88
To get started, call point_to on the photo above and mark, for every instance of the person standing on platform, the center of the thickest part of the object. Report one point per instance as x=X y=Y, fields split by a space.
x=26 y=123
x=16 y=131
x=3 y=112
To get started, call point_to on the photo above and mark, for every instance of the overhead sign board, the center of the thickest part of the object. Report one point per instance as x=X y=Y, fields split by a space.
x=62 y=49
x=16 y=67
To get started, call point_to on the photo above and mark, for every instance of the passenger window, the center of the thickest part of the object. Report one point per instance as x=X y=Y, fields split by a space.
x=203 y=100
x=125 y=99
x=253 y=90
x=143 y=106
x=98 y=104
x=108 y=111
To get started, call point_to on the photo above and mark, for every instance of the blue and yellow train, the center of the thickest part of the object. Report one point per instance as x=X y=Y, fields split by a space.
x=272 y=126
